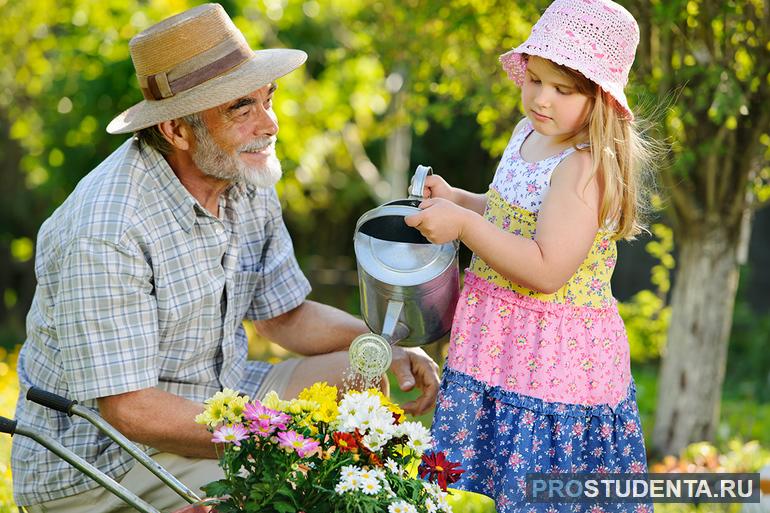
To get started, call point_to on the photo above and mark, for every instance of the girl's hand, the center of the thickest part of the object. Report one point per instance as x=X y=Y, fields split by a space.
x=440 y=220
x=437 y=187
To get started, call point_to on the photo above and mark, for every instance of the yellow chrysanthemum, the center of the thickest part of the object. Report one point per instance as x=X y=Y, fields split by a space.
x=223 y=407
x=326 y=398
x=327 y=412
x=319 y=392
x=297 y=406
x=271 y=400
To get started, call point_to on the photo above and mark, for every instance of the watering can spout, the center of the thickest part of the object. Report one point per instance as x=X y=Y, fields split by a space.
x=392 y=330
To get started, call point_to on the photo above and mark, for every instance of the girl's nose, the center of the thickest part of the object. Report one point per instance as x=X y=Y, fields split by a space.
x=543 y=98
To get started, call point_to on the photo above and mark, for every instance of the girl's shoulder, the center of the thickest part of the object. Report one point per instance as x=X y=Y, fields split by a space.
x=520 y=131
x=520 y=126
x=575 y=174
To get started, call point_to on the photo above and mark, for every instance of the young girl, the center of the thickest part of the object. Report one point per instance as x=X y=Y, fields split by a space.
x=538 y=376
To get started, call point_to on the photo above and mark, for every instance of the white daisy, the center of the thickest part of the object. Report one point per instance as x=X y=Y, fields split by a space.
x=370 y=486
x=401 y=507
x=419 y=439
x=391 y=465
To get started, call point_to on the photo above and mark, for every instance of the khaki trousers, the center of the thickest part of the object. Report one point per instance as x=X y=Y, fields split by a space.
x=192 y=472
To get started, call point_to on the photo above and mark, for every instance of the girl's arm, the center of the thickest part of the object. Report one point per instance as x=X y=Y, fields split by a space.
x=470 y=200
x=566 y=228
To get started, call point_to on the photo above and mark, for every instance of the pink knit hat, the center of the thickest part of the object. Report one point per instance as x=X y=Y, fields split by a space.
x=598 y=38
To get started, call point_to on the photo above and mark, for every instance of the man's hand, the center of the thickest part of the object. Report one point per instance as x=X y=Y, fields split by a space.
x=411 y=367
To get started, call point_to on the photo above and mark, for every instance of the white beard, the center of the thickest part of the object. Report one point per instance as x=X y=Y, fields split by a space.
x=214 y=161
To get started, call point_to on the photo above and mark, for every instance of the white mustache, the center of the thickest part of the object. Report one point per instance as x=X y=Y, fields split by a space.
x=258 y=144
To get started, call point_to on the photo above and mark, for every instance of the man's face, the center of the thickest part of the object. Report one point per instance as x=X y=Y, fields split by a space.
x=237 y=140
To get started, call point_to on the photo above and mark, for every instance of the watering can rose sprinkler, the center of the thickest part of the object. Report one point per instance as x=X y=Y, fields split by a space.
x=409 y=287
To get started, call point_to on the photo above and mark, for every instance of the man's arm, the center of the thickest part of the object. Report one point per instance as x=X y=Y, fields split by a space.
x=312 y=328
x=159 y=419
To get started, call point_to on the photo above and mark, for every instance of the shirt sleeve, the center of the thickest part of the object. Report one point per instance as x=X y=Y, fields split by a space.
x=281 y=285
x=106 y=320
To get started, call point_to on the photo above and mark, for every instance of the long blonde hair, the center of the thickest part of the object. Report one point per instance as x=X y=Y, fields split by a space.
x=622 y=158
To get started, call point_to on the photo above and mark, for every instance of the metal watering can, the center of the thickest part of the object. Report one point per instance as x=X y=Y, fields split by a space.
x=409 y=287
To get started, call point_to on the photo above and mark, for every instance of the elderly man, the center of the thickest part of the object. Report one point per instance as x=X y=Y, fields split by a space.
x=147 y=271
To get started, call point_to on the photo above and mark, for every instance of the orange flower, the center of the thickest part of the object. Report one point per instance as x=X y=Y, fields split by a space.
x=345 y=441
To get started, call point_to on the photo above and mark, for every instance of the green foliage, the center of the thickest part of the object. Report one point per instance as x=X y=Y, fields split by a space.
x=707 y=61
x=646 y=315
x=744 y=419
x=748 y=360
x=375 y=66
x=9 y=391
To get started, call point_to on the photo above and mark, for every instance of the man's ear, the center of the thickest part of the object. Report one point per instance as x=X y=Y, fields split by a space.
x=178 y=133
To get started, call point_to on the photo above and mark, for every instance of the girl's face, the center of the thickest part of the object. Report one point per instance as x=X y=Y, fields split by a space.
x=551 y=100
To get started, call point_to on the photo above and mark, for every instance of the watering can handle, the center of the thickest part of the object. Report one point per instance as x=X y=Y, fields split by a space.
x=418 y=181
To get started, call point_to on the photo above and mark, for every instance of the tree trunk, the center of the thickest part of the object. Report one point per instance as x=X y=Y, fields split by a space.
x=693 y=364
x=398 y=146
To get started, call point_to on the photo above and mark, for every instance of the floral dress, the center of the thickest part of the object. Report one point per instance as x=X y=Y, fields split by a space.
x=535 y=382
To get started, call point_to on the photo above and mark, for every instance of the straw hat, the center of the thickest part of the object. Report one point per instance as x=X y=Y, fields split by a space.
x=194 y=61
x=598 y=38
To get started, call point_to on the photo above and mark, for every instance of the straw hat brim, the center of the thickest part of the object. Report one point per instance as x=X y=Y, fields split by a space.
x=263 y=68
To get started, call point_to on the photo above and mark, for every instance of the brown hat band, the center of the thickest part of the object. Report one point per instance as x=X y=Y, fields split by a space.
x=195 y=71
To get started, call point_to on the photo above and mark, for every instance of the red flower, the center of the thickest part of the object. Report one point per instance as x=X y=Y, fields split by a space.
x=345 y=441
x=437 y=467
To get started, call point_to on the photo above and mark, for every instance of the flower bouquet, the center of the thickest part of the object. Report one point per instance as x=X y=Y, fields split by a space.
x=315 y=454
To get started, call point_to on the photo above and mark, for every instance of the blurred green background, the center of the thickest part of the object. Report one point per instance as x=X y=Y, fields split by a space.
x=392 y=84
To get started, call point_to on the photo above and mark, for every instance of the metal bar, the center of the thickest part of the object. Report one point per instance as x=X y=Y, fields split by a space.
x=82 y=465
x=150 y=464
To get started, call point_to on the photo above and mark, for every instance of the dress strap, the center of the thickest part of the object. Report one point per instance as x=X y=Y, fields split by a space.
x=572 y=149
x=526 y=129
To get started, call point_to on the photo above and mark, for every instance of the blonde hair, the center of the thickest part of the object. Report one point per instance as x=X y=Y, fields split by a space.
x=622 y=158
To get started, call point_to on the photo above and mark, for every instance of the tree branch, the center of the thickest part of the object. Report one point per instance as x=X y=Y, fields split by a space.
x=378 y=188
x=684 y=208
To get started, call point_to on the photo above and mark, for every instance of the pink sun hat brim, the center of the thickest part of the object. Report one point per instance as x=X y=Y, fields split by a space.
x=597 y=38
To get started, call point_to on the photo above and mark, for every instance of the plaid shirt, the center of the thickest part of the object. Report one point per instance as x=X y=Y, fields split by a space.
x=139 y=286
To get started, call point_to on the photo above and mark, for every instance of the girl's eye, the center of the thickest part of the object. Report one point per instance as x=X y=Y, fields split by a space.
x=534 y=80
x=563 y=91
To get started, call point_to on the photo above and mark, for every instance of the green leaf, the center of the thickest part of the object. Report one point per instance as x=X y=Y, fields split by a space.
x=220 y=488
x=284 y=507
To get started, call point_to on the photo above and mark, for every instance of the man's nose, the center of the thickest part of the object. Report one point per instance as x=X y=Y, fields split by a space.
x=266 y=122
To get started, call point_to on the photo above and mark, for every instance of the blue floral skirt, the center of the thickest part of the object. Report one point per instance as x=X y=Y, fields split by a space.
x=500 y=436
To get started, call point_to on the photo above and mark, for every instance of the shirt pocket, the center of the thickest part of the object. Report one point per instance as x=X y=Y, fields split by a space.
x=244 y=286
